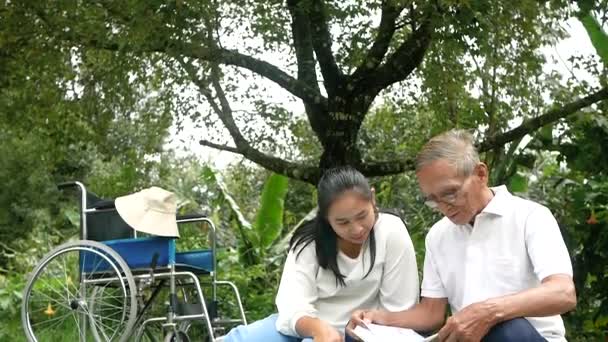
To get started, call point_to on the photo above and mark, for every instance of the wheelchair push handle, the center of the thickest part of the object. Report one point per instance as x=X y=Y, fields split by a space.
x=71 y=184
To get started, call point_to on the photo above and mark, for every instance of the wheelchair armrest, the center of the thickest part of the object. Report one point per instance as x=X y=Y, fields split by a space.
x=104 y=204
x=194 y=218
x=65 y=185
x=72 y=184
x=190 y=218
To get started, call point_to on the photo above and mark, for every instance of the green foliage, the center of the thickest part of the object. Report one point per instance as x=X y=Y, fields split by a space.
x=88 y=91
x=598 y=37
x=258 y=238
x=257 y=284
x=571 y=180
x=581 y=208
x=518 y=183
x=269 y=219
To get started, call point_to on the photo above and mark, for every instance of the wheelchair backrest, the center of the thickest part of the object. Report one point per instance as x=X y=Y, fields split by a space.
x=104 y=223
x=99 y=219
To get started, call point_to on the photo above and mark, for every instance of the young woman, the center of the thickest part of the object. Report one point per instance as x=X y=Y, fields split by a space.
x=349 y=257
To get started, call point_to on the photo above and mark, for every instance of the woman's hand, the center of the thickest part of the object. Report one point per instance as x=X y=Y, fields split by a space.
x=328 y=334
x=362 y=317
x=318 y=329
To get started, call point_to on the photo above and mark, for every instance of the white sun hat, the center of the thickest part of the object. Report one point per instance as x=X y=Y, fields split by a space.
x=150 y=210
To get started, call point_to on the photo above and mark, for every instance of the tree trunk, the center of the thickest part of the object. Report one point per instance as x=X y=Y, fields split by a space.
x=344 y=120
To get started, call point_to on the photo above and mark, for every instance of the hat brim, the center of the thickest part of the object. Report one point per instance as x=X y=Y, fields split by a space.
x=134 y=212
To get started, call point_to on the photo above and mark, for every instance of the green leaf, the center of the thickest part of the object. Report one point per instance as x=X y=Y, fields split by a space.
x=546 y=133
x=281 y=246
x=269 y=219
x=234 y=207
x=598 y=37
x=518 y=183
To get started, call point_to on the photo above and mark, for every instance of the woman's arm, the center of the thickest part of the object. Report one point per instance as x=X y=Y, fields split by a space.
x=317 y=329
x=296 y=299
x=399 y=288
x=297 y=290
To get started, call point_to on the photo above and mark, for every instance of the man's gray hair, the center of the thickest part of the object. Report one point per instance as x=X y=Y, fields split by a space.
x=456 y=146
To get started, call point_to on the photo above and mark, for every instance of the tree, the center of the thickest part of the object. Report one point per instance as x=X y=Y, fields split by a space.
x=466 y=64
x=57 y=123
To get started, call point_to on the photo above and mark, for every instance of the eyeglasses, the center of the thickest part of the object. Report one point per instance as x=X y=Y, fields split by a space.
x=448 y=197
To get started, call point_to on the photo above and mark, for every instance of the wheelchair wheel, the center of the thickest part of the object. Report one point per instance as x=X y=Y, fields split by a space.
x=80 y=291
x=179 y=336
x=149 y=333
x=104 y=305
x=154 y=333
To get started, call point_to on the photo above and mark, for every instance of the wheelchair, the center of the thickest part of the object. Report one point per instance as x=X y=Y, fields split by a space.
x=105 y=286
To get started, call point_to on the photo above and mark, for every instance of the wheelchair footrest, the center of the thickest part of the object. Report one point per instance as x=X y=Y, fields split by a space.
x=196 y=309
x=227 y=321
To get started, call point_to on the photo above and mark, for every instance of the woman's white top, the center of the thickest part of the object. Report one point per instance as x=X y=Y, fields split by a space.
x=306 y=289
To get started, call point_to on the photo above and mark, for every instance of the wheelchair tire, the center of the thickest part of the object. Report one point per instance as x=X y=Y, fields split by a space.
x=154 y=333
x=180 y=336
x=58 y=302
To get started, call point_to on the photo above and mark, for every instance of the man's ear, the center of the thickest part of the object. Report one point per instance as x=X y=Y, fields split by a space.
x=481 y=170
x=373 y=196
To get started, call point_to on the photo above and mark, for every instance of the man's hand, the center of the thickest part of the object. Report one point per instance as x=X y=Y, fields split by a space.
x=470 y=324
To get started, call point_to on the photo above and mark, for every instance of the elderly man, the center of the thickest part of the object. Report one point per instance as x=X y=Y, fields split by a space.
x=499 y=260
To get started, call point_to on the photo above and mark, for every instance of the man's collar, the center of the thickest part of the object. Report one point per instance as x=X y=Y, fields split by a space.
x=498 y=204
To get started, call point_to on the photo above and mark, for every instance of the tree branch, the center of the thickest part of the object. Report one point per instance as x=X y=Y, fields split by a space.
x=309 y=174
x=230 y=57
x=406 y=58
x=305 y=173
x=386 y=30
x=322 y=42
x=302 y=42
x=542 y=120
x=385 y=168
x=197 y=50
x=218 y=146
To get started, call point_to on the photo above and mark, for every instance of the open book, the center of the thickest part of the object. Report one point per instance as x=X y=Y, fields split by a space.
x=381 y=333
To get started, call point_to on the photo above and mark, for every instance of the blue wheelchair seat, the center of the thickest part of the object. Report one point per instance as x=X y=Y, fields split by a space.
x=198 y=262
x=108 y=227
x=141 y=253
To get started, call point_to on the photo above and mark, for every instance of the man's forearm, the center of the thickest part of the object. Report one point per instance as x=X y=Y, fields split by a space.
x=553 y=297
x=428 y=315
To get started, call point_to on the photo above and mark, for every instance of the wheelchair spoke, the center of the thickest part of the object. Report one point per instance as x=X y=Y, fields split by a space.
x=52 y=300
x=51 y=288
x=110 y=307
x=105 y=318
x=100 y=261
x=53 y=320
x=69 y=283
x=107 y=307
x=101 y=304
x=100 y=327
x=80 y=334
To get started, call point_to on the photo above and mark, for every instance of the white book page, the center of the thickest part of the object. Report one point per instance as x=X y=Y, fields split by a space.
x=382 y=333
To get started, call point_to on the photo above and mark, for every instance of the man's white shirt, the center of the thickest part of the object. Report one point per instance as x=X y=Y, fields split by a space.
x=513 y=245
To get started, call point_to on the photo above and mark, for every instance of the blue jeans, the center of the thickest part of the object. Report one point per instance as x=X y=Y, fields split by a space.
x=263 y=331
x=517 y=329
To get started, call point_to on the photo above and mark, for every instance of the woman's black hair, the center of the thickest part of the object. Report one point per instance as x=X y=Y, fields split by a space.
x=332 y=184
